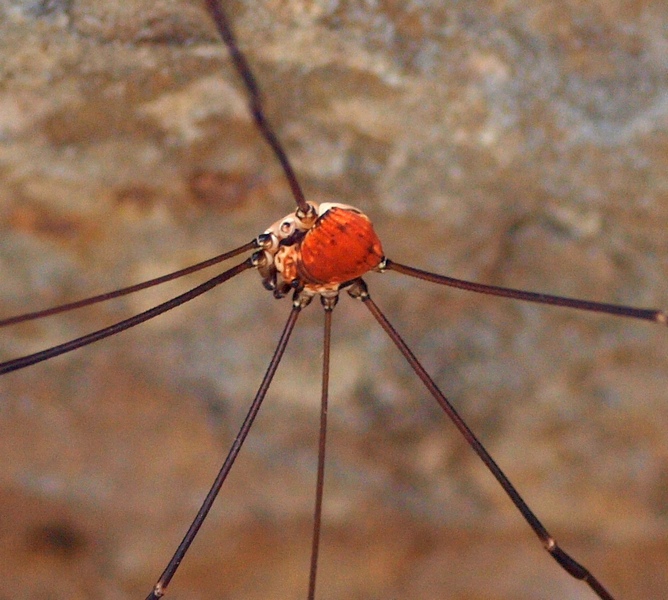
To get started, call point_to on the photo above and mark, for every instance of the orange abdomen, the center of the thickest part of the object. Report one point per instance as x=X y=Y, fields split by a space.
x=340 y=246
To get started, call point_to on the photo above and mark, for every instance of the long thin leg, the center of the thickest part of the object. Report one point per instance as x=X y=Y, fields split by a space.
x=657 y=316
x=162 y=583
x=255 y=101
x=31 y=359
x=130 y=289
x=358 y=290
x=322 y=443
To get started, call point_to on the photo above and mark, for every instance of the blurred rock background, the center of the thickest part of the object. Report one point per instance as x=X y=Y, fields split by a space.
x=518 y=144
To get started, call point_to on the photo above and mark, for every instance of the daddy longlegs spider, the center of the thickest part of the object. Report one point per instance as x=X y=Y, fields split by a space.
x=58 y=534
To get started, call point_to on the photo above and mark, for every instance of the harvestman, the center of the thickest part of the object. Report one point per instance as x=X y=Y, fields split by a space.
x=319 y=251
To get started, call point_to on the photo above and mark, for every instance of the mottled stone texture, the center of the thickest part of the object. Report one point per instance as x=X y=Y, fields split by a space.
x=515 y=143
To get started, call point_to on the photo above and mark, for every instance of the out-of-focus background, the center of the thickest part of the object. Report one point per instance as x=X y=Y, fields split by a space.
x=518 y=144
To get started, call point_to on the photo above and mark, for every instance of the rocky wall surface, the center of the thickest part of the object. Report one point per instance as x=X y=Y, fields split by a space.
x=515 y=144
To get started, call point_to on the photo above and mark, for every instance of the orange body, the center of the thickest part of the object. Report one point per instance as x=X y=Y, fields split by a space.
x=342 y=245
